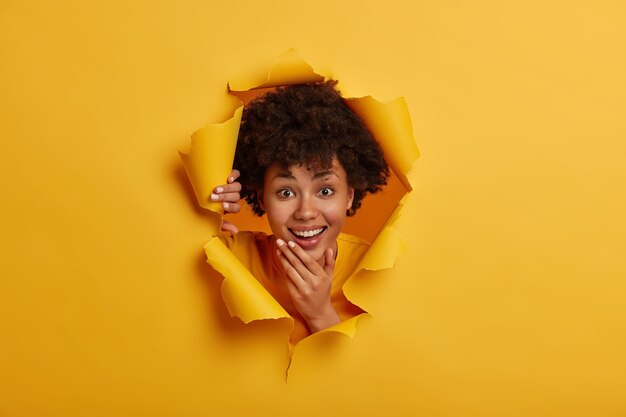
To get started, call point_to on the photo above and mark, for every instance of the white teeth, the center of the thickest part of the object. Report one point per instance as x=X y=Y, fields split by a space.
x=308 y=233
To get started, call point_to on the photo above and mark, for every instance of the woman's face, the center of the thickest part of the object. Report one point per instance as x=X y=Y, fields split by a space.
x=307 y=206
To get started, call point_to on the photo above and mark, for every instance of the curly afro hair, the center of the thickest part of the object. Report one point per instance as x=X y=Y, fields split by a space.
x=307 y=125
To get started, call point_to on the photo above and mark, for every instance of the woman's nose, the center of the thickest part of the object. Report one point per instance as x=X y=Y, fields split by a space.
x=307 y=209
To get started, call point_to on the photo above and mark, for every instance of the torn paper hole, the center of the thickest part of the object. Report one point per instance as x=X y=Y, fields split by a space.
x=209 y=160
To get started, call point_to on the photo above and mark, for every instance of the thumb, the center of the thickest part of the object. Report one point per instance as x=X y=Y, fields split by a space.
x=329 y=262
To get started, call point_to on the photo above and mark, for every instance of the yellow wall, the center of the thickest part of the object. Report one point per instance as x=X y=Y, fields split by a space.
x=510 y=302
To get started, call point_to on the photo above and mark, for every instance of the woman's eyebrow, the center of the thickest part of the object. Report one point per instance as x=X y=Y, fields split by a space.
x=288 y=175
x=325 y=174
x=284 y=174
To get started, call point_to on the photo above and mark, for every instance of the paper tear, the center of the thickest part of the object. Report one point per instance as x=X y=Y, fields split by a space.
x=289 y=69
x=387 y=246
x=206 y=164
x=390 y=123
x=210 y=157
x=244 y=296
x=346 y=327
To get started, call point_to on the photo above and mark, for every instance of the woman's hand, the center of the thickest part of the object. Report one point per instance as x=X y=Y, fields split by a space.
x=309 y=284
x=229 y=195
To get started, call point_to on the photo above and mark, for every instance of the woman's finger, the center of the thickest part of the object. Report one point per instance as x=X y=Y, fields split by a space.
x=293 y=275
x=229 y=227
x=293 y=259
x=286 y=251
x=234 y=187
x=234 y=174
x=229 y=197
x=231 y=208
x=306 y=259
x=306 y=266
x=329 y=262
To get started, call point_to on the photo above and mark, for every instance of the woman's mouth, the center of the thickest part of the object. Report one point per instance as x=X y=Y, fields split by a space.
x=308 y=238
x=307 y=233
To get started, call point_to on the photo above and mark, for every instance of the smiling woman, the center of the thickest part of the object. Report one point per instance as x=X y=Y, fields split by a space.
x=307 y=206
x=304 y=158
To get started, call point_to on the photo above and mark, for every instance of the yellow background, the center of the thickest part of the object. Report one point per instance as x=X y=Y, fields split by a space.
x=510 y=302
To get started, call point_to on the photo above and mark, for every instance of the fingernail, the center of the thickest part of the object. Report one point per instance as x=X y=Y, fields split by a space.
x=231 y=179
x=225 y=205
x=219 y=190
x=279 y=242
x=214 y=197
x=291 y=244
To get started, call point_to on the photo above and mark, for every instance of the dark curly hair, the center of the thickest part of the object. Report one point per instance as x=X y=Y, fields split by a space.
x=307 y=125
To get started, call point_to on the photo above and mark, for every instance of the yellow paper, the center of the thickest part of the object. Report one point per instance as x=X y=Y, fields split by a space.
x=210 y=158
x=508 y=302
x=390 y=125
x=244 y=296
x=346 y=327
x=290 y=69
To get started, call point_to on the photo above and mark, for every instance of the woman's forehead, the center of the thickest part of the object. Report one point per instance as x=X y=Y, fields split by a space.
x=312 y=170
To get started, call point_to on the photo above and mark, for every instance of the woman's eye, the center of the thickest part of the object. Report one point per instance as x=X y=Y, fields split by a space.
x=285 y=193
x=326 y=191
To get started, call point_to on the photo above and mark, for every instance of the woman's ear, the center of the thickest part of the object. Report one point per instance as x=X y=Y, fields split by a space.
x=350 y=198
